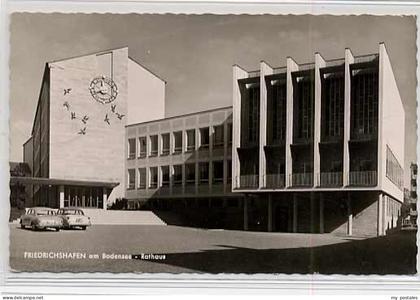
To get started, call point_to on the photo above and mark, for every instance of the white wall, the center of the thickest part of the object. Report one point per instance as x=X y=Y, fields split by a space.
x=238 y=73
x=146 y=95
x=392 y=122
x=99 y=154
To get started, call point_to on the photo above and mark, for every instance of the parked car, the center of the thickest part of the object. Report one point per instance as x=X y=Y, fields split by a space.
x=73 y=218
x=41 y=218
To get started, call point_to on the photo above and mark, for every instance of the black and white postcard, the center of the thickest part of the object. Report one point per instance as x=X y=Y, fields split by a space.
x=212 y=144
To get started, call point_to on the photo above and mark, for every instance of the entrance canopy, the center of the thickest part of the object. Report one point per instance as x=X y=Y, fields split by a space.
x=58 y=193
x=52 y=181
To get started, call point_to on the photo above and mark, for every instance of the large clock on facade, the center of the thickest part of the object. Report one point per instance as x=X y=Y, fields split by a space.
x=103 y=89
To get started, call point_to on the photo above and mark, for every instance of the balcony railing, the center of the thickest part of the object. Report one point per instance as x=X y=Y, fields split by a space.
x=178 y=150
x=363 y=178
x=301 y=179
x=362 y=136
x=248 y=181
x=330 y=179
x=274 y=181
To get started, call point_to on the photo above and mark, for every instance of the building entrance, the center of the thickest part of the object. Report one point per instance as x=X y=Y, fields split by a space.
x=76 y=196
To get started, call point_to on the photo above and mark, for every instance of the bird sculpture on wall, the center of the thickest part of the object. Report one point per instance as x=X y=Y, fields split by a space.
x=119 y=116
x=107 y=119
x=85 y=119
x=82 y=131
x=66 y=105
x=104 y=91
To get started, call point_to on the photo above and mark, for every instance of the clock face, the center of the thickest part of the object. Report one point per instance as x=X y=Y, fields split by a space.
x=103 y=89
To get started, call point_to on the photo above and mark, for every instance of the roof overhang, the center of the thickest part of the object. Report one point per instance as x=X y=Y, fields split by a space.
x=53 y=181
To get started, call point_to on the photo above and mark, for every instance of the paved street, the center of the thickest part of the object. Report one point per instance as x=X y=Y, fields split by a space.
x=212 y=251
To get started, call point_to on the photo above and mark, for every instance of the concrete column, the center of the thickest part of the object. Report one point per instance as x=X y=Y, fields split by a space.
x=61 y=191
x=380 y=214
x=105 y=199
x=295 y=212
x=321 y=213
x=183 y=179
x=245 y=213
x=291 y=66
x=349 y=216
x=312 y=211
x=386 y=214
x=270 y=213
x=319 y=63
x=238 y=73
x=382 y=98
x=265 y=70
x=347 y=104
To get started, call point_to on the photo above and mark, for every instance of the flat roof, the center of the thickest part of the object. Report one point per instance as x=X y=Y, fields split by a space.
x=181 y=116
x=54 y=181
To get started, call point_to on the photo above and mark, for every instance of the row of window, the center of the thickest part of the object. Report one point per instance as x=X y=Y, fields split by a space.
x=151 y=177
x=149 y=146
x=364 y=106
x=394 y=170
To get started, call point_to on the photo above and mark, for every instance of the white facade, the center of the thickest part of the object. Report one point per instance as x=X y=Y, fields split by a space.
x=390 y=121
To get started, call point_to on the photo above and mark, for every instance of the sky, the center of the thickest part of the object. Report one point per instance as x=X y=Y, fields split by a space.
x=195 y=54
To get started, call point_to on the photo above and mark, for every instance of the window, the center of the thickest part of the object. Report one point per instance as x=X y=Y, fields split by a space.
x=177 y=142
x=204 y=137
x=165 y=176
x=131 y=148
x=190 y=139
x=165 y=144
x=366 y=165
x=394 y=170
x=229 y=133
x=304 y=107
x=153 y=145
x=333 y=105
x=131 y=179
x=252 y=114
x=142 y=178
x=190 y=173
x=336 y=166
x=364 y=94
x=204 y=172
x=177 y=174
x=218 y=171
x=229 y=171
x=277 y=113
x=143 y=147
x=218 y=136
x=153 y=183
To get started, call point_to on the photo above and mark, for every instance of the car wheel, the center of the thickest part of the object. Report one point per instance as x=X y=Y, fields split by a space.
x=83 y=227
x=33 y=226
x=22 y=226
x=57 y=229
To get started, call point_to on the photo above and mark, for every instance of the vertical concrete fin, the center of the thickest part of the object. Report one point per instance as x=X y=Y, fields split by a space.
x=291 y=66
x=238 y=73
x=265 y=70
x=319 y=63
x=383 y=55
x=348 y=60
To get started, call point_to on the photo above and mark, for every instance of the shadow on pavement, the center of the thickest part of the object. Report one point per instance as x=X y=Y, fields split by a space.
x=392 y=254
